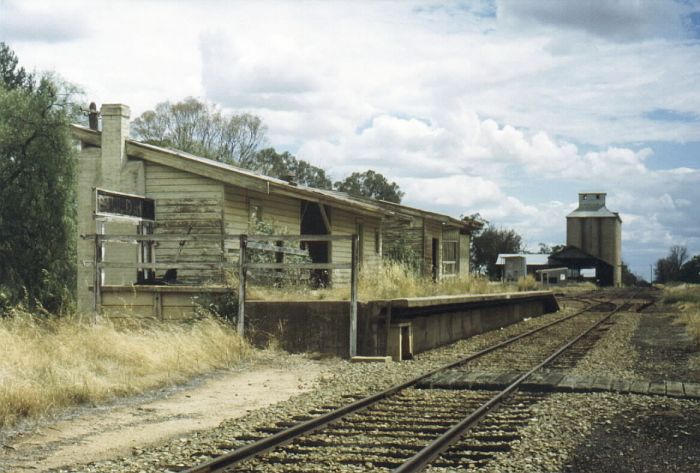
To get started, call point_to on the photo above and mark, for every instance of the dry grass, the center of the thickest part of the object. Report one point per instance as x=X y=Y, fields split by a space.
x=391 y=281
x=48 y=364
x=682 y=293
x=687 y=298
x=527 y=283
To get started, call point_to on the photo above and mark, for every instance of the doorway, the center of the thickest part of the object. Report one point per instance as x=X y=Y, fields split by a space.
x=314 y=223
x=435 y=262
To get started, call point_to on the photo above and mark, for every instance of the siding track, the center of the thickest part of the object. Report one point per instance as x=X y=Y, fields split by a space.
x=405 y=429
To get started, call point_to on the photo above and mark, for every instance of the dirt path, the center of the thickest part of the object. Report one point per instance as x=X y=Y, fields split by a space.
x=115 y=432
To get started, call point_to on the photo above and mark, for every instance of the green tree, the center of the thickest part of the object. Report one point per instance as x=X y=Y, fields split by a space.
x=669 y=268
x=545 y=249
x=37 y=209
x=690 y=271
x=372 y=185
x=271 y=163
x=12 y=76
x=628 y=277
x=489 y=243
x=201 y=128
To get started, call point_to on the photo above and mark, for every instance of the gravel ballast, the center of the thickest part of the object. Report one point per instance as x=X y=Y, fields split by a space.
x=603 y=432
x=342 y=379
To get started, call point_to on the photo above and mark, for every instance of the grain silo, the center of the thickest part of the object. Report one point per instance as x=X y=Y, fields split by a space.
x=597 y=231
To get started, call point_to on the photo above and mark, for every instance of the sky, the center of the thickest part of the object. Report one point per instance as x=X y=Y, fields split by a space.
x=505 y=108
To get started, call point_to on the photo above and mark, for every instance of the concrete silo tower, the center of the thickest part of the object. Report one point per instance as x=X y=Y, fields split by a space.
x=597 y=231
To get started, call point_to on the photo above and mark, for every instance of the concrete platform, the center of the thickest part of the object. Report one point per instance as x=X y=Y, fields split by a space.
x=559 y=381
x=399 y=328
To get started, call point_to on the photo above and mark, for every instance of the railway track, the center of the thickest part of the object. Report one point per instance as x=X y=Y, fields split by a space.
x=406 y=429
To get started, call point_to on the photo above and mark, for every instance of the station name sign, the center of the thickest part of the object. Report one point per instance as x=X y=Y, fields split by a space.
x=110 y=203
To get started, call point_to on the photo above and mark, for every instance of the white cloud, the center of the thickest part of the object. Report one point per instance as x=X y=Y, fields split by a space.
x=612 y=19
x=509 y=111
x=410 y=146
x=466 y=195
x=37 y=22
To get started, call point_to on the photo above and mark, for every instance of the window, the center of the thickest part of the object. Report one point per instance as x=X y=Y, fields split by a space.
x=255 y=214
x=450 y=256
x=377 y=242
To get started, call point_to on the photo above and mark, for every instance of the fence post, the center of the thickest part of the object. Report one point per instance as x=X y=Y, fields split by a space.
x=97 y=277
x=241 y=282
x=353 y=296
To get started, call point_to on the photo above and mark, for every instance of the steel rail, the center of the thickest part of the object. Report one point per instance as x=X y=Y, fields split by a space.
x=438 y=446
x=280 y=438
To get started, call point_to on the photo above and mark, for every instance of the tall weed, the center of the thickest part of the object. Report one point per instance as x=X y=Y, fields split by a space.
x=687 y=298
x=390 y=280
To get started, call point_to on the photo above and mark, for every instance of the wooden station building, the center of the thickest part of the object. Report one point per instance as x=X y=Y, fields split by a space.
x=190 y=195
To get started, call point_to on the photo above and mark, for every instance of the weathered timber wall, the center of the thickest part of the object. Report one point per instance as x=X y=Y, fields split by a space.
x=464 y=243
x=87 y=168
x=346 y=223
x=431 y=229
x=370 y=252
x=282 y=212
x=409 y=232
x=157 y=302
x=183 y=200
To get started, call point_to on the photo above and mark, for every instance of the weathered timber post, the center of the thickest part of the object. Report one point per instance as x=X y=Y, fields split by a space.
x=241 y=282
x=97 y=277
x=388 y=327
x=353 y=296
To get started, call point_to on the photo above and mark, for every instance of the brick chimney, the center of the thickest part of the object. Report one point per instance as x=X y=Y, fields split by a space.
x=115 y=130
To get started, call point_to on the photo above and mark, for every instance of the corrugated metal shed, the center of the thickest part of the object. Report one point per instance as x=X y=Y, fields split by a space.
x=531 y=259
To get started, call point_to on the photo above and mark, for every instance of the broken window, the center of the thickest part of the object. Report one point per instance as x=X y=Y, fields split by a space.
x=255 y=213
x=450 y=256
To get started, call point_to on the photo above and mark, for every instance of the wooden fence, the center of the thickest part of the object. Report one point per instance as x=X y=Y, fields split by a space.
x=269 y=243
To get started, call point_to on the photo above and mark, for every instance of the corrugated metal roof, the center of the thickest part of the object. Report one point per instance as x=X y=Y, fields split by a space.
x=301 y=190
x=531 y=259
x=380 y=207
x=599 y=213
x=469 y=225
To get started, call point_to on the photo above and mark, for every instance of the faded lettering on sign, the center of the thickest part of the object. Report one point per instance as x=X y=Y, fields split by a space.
x=114 y=203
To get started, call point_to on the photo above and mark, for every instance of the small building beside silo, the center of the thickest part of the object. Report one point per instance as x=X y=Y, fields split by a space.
x=513 y=266
x=596 y=231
